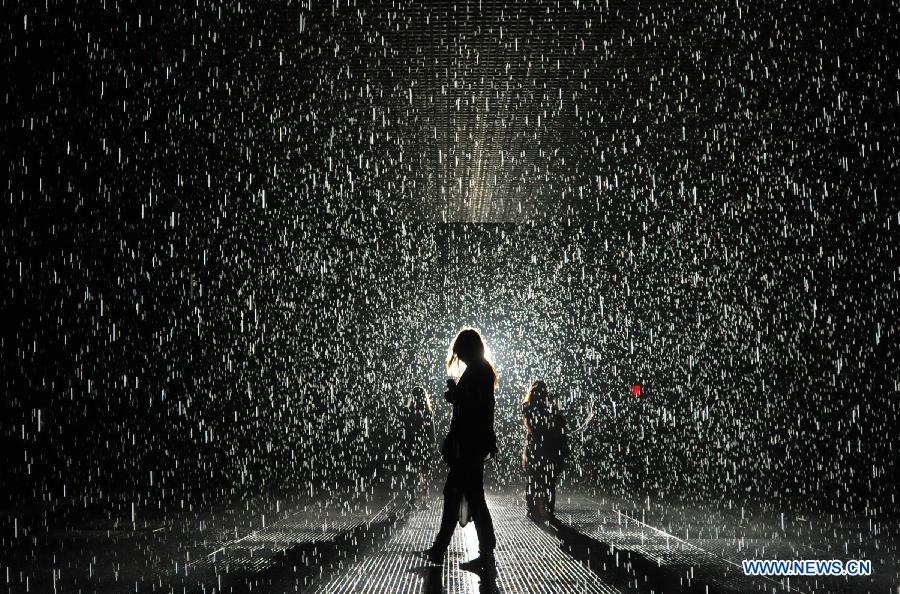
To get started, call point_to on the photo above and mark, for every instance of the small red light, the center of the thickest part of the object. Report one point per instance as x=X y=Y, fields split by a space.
x=636 y=390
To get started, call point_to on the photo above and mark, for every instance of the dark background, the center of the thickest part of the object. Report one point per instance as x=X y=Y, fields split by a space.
x=235 y=235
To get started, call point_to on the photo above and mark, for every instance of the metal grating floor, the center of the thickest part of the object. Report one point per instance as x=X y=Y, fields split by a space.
x=528 y=559
x=340 y=544
x=694 y=565
x=258 y=549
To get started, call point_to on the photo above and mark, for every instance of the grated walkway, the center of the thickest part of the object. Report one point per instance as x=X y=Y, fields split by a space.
x=529 y=560
x=661 y=555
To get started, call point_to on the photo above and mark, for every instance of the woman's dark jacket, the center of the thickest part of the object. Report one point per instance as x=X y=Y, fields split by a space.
x=418 y=438
x=546 y=442
x=471 y=436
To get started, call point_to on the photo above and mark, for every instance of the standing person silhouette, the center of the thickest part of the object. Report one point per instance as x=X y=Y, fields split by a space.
x=419 y=452
x=545 y=450
x=469 y=442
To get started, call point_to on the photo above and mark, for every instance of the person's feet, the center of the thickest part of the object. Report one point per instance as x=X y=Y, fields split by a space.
x=482 y=561
x=418 y=504
x=434 y=555
x=539 y=516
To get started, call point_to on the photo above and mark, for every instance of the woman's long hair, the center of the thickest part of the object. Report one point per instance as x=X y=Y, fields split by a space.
x=419 y=399
x=538 y=392
x=468 y=344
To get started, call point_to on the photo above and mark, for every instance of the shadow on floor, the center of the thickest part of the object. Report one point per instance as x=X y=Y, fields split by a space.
x=432 y=578
x=300 y=567
x=487 y=583
x=624 y=569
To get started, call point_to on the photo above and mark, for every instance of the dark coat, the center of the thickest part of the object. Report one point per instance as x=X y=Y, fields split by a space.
x=471 y=436
x=546 y=444
x=418 y=438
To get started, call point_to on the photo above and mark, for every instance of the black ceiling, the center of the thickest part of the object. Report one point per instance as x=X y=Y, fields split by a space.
x=467 y=111
x=493 y=111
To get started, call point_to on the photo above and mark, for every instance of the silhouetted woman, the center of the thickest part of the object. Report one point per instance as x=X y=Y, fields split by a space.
x=419 y=445
x=469 y=442
x=545 y=449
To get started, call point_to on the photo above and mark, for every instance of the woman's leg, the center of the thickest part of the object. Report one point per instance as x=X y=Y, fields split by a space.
x=450 y=515
x=410 y=486
x=530 y=491
x=542 y=491
x=423 y=486
x=551 y=490
x=484 y=524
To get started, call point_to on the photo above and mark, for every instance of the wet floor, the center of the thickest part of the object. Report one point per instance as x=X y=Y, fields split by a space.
x=370 y=542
